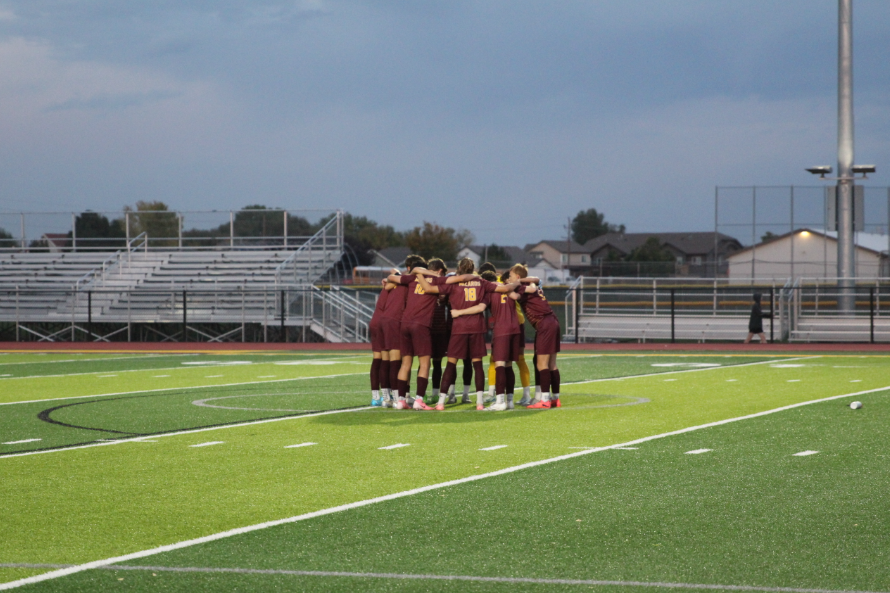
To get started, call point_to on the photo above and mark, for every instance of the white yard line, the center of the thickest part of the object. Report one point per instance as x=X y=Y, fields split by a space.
x=804 y=453
x=55 y=399
x=208 y=444
x=698 y=451
x=136 y=356
x=300 y=445
x=54 y=574
x=20 y=442
x=494 y=448
x=698 y=370
x=396 y=446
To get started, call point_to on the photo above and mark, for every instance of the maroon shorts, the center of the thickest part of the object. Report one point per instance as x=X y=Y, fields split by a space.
x=392 y=333
x=375 y=329
x=464 y=346
x=416 y=340
x=506 y=348
x=440 y=345
x=547 y=336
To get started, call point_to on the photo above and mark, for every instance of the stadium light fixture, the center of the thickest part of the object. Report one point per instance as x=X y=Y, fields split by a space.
x=821 y=170
x=824 y=170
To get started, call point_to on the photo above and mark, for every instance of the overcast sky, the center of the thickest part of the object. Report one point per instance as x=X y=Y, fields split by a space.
x=503 y=117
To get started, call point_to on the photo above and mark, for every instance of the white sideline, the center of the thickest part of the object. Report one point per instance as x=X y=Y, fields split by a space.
x=142 y=439
x=58 y=399
x=698 y=370
x=54 y=574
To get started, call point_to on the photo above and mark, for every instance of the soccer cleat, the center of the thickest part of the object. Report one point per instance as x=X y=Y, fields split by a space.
x=387 y=402
x=451 y=399
x=526 y=401
x=402 y=405
x=410 y=401
x=554 y=403
x=497 y=407
x=541 y=405
x=440 y=407
x=419 y=405
x=510 y=405
x=466 y=400
x=376 y=402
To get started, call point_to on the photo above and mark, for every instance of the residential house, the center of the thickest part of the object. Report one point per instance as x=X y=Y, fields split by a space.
x=568 y=256
x=808 y=253
x=694 y=252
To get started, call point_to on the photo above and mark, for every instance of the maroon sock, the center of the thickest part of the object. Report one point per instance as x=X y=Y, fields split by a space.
x=449 y=376
x=545 y=382
x=480 y=377
x=537 y=372
x=408 y=383
x=437 y=372
x=394 y=375
x=375 y=374
x=384 y=374
x=468 y=371
x=511 y=379
x=554 y=380
x=403 y=388
x=422 y=383
x=500 y=380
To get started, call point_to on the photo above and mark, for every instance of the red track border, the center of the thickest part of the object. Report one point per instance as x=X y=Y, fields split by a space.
x=154 y=347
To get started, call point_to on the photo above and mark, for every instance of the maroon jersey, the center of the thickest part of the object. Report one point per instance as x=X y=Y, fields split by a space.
x=441 y=317
x=463 y=296
x=535 y=306
x=381 y=305
x=503 y=313
x=395 y=302
x=420 y=306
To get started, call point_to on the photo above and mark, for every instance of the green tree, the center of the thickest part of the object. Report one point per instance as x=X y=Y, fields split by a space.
x=650 y=251
x=769 y=236
x=155 y=220
x=589 y=224
x=258 y=221
x=95 y=231
x=7 y=240
x=432 y=240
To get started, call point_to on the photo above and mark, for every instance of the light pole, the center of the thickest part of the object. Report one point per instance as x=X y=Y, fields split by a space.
x=846 y=267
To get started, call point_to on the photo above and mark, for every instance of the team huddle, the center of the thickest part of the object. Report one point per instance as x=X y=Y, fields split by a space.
x=432 y=315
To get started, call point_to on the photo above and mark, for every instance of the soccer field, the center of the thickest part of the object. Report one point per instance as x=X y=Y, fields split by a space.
x=200 y=472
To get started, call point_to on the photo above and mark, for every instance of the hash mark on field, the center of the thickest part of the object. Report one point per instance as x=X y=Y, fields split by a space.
x=208 y=444
x=804 y=453
x=627 y=448
x=24 y=441
x=855 y=380
x=159 y=376
x=666 y=380
x=794 y=380
x=212 y=376
x=396 y=446
x=266 y=376
x=300 y=445
x=698 y=451
x=493 y=448
x=731 y=380
x=106 y=376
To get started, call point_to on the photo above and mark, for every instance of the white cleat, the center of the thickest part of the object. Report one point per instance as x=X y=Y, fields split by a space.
x=501 y=407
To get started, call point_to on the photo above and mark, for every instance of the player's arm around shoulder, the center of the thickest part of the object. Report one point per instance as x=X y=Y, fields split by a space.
x=427 y=286
x=474 y=310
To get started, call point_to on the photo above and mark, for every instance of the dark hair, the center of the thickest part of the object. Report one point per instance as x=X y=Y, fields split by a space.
x=437 y=264
x=489 y=275
x=487 y=267
x=465 y=266
x=757 y=296
x=413 y=261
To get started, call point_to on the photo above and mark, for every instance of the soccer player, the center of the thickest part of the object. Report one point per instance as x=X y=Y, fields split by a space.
x=504 y=344
x=416 y=337
x=547 y=338
x=465 y=291
x=392 y=335
x=440 y=330
x=380 y=362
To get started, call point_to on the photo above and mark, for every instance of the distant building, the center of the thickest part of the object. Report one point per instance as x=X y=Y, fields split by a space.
x=808 y=253
x=56 y=242
x=482 y=253
x=391 y=257
x=695 y=253
x=571 y=257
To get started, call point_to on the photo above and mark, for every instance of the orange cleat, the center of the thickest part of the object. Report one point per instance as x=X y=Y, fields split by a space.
x=541 y=405
x=420 y=405
x=558 y=404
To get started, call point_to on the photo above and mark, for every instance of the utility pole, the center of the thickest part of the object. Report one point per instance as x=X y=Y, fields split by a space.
x=846 y=272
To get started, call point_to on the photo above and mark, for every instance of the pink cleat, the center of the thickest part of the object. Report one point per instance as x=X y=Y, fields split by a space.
x=541 y=405
x=420 y=405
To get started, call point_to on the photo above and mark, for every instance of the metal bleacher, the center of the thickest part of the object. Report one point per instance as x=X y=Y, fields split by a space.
x=203 y=294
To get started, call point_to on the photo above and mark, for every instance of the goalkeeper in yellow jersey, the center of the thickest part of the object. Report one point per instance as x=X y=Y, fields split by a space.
x=524 y=377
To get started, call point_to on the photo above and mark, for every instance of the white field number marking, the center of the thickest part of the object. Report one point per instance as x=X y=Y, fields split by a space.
x=804 y=453
x=208 y=444
x=698 y=451
x=396 y=446
x=493 y=448
x=300 y=445
x=24 y=441
x=794 y=380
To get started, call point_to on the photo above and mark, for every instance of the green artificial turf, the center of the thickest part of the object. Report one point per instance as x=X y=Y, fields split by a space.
x=746 y=513
x=87 y=504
